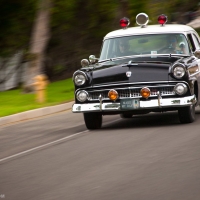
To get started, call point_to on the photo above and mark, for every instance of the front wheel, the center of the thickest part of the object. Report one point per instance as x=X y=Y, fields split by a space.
x=93 y=120
x=187 y=114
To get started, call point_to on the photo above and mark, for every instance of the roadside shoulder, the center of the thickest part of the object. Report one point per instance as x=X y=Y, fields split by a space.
x=31 y=114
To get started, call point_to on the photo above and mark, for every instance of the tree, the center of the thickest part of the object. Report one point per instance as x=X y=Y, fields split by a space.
x=15 y=26
x=16 y=20
x=39 y=39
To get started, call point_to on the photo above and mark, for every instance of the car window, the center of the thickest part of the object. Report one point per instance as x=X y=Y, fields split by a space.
x=191 y=42
x=196 y=41
x=144 y=44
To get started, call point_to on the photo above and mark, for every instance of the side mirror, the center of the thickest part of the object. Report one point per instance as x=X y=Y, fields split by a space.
x=197 y=53
x=93 y=59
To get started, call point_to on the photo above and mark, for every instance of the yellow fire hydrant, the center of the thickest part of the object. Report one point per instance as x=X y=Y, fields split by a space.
x=40 y=84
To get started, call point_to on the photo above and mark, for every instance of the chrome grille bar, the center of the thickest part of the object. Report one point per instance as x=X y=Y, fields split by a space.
x=132 y=92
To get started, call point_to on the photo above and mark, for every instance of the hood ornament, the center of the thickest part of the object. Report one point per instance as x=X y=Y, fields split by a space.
x=128 y=74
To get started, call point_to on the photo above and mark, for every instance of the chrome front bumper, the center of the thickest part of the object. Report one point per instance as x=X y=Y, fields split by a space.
x=155 y=103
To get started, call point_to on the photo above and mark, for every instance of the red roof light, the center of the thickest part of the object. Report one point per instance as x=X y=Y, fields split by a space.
x=124 y=22
x=162 y=19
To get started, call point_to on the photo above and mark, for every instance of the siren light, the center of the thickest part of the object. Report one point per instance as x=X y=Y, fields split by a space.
x=162 y=19
x=124 y=22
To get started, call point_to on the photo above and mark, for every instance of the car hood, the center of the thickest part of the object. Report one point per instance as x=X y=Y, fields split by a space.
x=135 y=72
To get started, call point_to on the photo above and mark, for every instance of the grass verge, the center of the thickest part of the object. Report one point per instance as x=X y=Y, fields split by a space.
x=15 y=101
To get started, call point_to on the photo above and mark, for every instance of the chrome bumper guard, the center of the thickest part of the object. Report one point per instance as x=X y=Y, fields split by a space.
x=155 y=103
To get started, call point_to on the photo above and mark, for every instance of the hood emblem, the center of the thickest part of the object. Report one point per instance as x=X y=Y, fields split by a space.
x=128 y=74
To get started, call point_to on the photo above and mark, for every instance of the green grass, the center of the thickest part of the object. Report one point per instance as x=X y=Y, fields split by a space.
x=15 y=101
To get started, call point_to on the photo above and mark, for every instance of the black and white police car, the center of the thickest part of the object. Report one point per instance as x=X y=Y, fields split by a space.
x=159 y=71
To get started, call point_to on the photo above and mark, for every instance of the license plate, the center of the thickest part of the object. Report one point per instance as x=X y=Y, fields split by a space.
x=129 y=104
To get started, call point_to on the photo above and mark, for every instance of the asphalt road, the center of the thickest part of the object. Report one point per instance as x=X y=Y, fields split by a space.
x=149 y=157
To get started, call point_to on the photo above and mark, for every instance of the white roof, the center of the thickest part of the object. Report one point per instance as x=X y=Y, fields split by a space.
x=150 y=29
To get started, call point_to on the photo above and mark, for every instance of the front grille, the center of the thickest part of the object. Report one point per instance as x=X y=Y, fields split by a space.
x=131 y=92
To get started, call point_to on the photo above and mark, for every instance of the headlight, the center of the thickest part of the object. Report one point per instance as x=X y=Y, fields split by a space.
x=178 y=71
x=79 y=78
x=180 y=88
x=82 y=95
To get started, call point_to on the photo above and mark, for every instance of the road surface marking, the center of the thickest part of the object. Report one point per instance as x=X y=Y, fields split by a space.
x=42 y=146
x=48 y=144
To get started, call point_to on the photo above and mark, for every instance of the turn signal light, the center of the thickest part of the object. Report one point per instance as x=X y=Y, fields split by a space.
x=145 y=92
x=113 y=95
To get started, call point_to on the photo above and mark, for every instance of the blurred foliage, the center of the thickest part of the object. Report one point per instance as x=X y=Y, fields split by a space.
x=58 y=69
x=80 y=20
x=198 y=30
x=78 y=26
x=82 y=16
x=63 y=14
x=16 y=21
x=136 y=7
x=77 y=30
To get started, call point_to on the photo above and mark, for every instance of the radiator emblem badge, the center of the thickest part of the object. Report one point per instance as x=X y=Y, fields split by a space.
x=128 y=74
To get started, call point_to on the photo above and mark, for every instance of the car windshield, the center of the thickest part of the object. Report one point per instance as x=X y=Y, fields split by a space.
x=144 y=44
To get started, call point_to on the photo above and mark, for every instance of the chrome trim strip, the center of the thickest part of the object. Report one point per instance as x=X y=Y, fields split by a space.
x=137 y=87
x=164 y=103
x=131 y=88
x=135 y=83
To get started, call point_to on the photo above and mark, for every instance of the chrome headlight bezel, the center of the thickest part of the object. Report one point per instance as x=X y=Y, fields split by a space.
x=80 y=97
x=79 y=78
x=178 y=70
x=180 y=88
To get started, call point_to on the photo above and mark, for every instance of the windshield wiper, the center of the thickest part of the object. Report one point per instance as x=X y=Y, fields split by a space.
x=130 y=64
x=133 y=63
x=110 y=59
